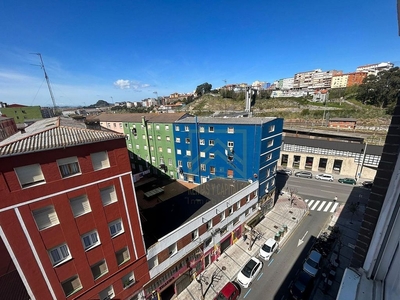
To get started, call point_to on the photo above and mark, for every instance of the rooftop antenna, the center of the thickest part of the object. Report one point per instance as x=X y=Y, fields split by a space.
x=48 y=82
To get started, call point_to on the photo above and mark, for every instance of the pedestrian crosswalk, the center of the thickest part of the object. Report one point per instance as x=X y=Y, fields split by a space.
x=324 y=206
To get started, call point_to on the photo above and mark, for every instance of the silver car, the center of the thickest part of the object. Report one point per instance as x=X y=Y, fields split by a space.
x=326 y=177
x=312 y=263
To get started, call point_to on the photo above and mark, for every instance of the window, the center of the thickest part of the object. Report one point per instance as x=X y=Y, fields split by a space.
x=237 y=205
x=100 y=160
x=203 y=167
x=211 y=142
x=128 y=280
x=168 y=138
x=59 y=254
x=169 y=161
x=128 y=137
x=189 y=164
x=71 y=285
x=188 y=153
x=107 y=293
x=116 y=228
x=202 y=142
x=211 y=129
x=90 y=240
x=195 y=234
x=186 y=128
x=230 y=144
x=235 y=220
x=202 y=154
x=143 y=136
x=166 y=127
x=169 y=150
x=99 y=269
x=222 y=216
x=80 y=205
x=271 y=128
x=231 y=130
x=247 y=212
x=270 y=143
x=153 y=159
x=108 y=195
x=145 y=147
x=150 y=137
x=122 y=256
x=201 y=128
x=209 y=225
x=177 y=127
x=187 y=140
x=208 y=242
x=212 y=170
x=212 y=155
x=159 y=137
x=178 y=151
x=30 y=175
x=172 y=249
x=45 y=217
x=153 y=262
x=159 y=149
x=178 y=140
x=269 y=156
x=230 y=173
x=179 y=163
x=137 y=147
x=68 y=166
x=230 y=210
x=157 y=127
x=223 y=230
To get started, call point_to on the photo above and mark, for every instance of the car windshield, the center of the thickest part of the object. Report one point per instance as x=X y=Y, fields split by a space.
x=221 y=297
x=248 y=268
x=312 y=263
x=266 y=248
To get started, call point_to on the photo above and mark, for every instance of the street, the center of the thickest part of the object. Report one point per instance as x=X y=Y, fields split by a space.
x=275 y=279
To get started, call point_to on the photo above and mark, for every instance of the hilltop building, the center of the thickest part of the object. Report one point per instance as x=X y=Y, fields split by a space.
x=374 y=69
x=21 y=113
x=69 y=221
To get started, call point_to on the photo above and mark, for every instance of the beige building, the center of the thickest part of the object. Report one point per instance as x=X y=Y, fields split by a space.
x=339 y=81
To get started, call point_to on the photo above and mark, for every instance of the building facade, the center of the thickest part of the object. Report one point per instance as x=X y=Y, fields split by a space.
x=21 y=113
x=7 y=127
x=237 y=148
x=198 y=227
x=69 y=220
x=303 y=80
x=323 y=79
x=374 y=69
x=355 y=78
x=339 y=81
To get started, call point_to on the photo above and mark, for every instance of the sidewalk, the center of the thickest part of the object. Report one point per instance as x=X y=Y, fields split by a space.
x=236 y=256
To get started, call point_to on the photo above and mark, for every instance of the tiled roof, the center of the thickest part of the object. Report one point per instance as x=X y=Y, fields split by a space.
x=53 y=133
x=137 y=117
x=223 y=120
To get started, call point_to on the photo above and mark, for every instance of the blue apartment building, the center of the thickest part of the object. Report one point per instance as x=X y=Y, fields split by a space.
x=246 y=148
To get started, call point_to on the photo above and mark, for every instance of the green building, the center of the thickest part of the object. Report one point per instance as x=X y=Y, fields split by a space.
x=21 y=113
x=150 y=142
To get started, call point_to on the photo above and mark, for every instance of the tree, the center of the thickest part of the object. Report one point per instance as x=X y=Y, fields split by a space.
x=381 y=90
x=203 y=89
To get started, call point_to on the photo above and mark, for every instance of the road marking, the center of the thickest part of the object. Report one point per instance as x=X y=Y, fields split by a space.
x=247 y=293
x=334 y=207
x=321 y=206
x=327 y=206
x=310 y=203
x=260 y=276
x=315 y=205
x=271 y=262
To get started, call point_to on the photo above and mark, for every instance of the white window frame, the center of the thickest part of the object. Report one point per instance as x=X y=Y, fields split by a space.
x=168 y=138
x=80 y=205
x=100 y=160
x=188 y=153
x=107 y=293
x=230 y=144
x=178 y=151
x=270 y=143
x=108 y=195
x=30 y=175
x=269 y=156
x=211 y=155
x=202 y=154
x=69 y=166
x=128 y=280
x=202 y=142
x=117 y=226
x=101 y=273
x=203 y=167
x=169 y=150
x=63 y=253
x=231 y=130
x=201 y=129
x=186 y=128
x=222 y=216
x=211 y=129
x=45 y=217
x=92 y=235
x=153 y=262
x=195 y=234
x=271 y=128
x=189 y=164
x=209 y=224
x=187 y=140
x=211 y=142
x=137 y=146
x=172 y=249
x=166 y=127
x=159 y=137
x=177 y=139
x=213 y=173
x=177 y=128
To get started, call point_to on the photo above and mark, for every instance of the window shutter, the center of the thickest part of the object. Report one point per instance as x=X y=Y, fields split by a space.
x=80 y=205
x=45 y=217
x=29 y=174
x=108 y=195
x=100 y=160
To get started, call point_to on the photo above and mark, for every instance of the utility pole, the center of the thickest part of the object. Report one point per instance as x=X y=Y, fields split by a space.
x=48 y=82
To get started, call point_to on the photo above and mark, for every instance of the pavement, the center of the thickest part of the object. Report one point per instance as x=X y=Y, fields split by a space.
x=235 y=257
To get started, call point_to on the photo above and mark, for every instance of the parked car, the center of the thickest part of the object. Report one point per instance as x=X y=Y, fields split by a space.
x=231 y=291
x=285 y=171
x=368 y=184
x=303 y=174
x=249 y=272
x=302 y=285
x=347 y=180
x=269 y=247
x=312 y=263
x=326 y=177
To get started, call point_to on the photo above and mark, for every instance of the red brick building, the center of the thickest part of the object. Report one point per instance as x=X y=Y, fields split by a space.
x=355 y=78
x=345 y=123
x=69 y=222
x=7 y=127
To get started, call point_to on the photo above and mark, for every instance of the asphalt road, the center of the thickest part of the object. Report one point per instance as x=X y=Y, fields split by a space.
x=277 y=274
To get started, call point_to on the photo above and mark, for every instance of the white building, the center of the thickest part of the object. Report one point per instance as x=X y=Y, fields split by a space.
x=374 y=69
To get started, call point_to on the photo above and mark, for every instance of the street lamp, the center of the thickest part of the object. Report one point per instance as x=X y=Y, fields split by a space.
x=362 y=154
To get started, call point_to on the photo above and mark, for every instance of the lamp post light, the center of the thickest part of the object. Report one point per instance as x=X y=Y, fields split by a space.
x=360 y=161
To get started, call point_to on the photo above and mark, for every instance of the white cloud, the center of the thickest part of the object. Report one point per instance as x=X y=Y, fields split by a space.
x=122 y=84
x=136 y=86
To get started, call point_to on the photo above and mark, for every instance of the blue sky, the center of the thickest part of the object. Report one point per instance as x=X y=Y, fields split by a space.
x=130 y=50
